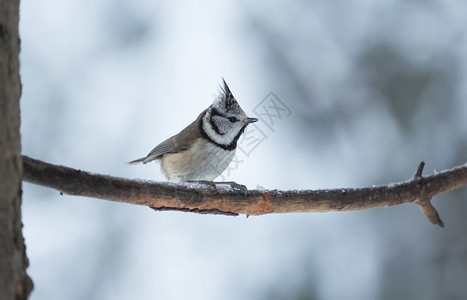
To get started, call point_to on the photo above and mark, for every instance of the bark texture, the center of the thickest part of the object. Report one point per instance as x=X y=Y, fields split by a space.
x=233 y=199
x=14 y=281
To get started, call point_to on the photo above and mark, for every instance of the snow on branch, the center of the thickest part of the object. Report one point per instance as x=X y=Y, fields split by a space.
x=230 y=198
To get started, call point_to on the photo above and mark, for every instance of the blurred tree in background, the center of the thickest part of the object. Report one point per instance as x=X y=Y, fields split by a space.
x=374 y=88
x=388 y=69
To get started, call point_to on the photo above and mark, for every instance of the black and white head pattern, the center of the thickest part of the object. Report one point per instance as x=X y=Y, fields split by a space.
x=224 y=121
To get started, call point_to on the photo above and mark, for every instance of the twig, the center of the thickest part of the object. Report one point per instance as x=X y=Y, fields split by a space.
x=229 y=199
x=425 y=201
x=419 y=172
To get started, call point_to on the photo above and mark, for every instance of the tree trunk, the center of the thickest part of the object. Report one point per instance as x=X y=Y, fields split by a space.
x=14 y=282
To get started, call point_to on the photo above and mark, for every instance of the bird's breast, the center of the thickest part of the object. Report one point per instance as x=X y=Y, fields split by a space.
x=202 y=161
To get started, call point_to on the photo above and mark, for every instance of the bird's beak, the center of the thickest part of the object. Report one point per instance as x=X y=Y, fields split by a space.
x=251 y=120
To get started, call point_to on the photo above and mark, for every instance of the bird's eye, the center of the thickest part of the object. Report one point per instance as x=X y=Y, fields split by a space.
x=232 y=119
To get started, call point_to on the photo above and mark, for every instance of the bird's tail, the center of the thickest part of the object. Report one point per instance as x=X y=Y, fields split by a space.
x=137 y=161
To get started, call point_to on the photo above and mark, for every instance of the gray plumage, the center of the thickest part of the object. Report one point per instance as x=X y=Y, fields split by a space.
x=204 y=149
x=177 y=143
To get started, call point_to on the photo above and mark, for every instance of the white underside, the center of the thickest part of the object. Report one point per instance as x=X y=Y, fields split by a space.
x=203 y=161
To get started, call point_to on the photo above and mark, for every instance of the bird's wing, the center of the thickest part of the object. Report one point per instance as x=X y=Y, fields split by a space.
x=170 y=145
x=179 y=142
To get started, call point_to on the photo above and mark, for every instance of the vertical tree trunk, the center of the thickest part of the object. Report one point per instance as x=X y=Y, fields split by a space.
x=14 y=282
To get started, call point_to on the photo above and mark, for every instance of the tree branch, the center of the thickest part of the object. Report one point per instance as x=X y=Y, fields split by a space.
x=233 y=199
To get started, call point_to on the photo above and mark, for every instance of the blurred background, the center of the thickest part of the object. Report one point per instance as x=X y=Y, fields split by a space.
x=366 y=90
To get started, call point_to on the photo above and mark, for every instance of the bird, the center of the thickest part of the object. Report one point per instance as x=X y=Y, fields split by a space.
x=205 y=148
